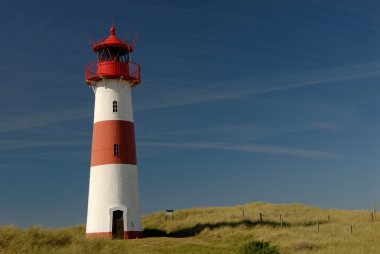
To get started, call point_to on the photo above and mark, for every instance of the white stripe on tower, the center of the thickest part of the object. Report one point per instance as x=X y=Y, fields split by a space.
x=113 y=177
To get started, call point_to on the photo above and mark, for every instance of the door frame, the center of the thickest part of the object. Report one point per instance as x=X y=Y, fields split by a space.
x=113 y=209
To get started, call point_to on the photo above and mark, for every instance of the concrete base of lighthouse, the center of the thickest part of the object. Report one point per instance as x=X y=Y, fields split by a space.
x=114 y=192
x=126 y=235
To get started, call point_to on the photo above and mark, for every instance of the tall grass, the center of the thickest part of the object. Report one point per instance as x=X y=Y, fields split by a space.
x=215 y=230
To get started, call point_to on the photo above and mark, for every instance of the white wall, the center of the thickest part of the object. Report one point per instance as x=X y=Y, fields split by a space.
x=106 y=92
x=113 y=187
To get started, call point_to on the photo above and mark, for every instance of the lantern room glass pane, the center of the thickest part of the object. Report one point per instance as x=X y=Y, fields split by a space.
x=106 y=55
x=99 y=54
x=113 y=54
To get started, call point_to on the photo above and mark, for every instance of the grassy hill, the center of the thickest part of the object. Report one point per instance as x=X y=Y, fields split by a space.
x=216 y=230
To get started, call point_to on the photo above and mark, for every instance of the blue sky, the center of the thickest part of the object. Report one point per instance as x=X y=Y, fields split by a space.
x=240 y=101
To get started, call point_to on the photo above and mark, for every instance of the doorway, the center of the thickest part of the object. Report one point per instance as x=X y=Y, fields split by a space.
x=117 y=225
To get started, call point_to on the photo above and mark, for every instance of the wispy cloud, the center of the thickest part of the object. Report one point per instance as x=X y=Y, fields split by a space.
x=233 y=89
x=203 y=92
x=250 y=148
x=245 y=131
x=243 y=138
x=35 y=119
x=20 y=144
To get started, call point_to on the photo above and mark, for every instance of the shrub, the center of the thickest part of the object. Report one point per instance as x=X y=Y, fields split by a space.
x=258 y=247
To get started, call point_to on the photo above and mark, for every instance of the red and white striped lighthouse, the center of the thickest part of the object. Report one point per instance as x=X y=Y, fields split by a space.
x=113 y=201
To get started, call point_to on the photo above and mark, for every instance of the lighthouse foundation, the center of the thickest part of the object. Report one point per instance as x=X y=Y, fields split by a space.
x=113 y=203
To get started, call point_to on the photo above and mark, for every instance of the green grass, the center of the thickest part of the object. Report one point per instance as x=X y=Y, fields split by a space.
x=215 y=230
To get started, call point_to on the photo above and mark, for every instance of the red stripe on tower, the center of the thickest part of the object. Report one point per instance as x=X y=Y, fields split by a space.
x=113 y=142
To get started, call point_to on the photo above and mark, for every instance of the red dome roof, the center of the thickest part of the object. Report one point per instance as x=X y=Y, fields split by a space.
x=112 y=41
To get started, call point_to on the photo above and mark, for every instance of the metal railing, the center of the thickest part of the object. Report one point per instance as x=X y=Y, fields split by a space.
x=113 y=69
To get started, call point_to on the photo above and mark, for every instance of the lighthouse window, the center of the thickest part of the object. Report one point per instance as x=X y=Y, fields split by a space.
x=109 y=54
x=116 y=150
x=114 y=52
x=114 y=106
x=124 y=58
x=99 y=54
x=106 y=55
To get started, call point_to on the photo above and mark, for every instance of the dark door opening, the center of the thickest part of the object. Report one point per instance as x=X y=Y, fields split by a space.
x=117 y=225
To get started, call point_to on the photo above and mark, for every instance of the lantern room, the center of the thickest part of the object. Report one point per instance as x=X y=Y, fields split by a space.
x=113 y=61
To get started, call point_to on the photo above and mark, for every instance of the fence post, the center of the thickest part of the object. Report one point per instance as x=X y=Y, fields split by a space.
x=261 y=217
x=243 y=213
x=318 y=227
x=280 y=220
x=351 y=229
x=328 y=218
x=374 y=212
x=169 y=213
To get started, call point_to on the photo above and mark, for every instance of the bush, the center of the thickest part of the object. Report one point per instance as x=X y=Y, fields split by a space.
x=258 y=247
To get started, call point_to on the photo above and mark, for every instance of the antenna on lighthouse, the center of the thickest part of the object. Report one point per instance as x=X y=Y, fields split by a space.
x=126 y=37
x=135 y=40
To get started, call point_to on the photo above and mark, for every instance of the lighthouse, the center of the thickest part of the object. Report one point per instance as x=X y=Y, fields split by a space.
x=113 y=200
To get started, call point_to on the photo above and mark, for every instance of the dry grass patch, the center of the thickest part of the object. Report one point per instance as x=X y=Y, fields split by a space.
x=215 y=230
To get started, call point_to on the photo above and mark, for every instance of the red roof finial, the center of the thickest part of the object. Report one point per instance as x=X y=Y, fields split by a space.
x=112 y=41
x=112 y=30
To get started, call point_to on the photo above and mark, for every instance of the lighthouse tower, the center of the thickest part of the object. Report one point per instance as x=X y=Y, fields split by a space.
x=113 y=201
